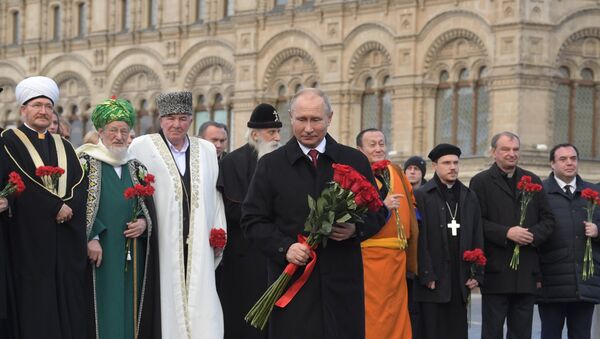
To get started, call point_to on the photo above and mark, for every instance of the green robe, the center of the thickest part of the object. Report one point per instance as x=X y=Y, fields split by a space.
x=114 y=278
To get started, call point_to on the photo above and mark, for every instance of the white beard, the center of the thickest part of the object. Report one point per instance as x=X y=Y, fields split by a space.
x=265 y=147
x=119 y=152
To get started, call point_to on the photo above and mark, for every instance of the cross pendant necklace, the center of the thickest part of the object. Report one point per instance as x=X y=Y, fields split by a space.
x=453 y=225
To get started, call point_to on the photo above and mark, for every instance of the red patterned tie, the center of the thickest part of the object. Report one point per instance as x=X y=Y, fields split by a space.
x=313 y=156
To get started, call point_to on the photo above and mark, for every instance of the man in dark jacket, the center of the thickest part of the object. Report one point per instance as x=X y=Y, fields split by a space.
x=331 y=303
x=244 y=269
x=509 y=294
x=564 y=294
x=451 y=224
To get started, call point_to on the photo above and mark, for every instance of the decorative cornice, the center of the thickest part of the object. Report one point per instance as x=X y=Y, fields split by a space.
x=447 y=37
x=203 y=64
x=363 y=50
x=589 y=32
x=128 y=72
x=281 y=57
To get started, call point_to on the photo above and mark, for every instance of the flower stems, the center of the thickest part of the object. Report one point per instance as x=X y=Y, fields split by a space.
x=588 y=260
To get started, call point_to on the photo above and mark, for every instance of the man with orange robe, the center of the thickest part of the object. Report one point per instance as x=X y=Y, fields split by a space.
x=388 y=254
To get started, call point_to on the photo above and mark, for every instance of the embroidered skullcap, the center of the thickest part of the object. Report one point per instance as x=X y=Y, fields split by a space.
x=36 y=87
x=443 y=149
x=113 y=109
x=174 y=103
x=264 y=116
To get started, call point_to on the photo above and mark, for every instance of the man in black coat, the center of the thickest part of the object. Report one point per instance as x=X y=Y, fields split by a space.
x=509 y=294
x=244 y=268
x=444 y=278
x=331 y=303
x=564 y=294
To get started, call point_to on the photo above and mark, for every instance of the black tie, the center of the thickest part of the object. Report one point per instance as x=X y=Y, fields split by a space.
x=568 y=191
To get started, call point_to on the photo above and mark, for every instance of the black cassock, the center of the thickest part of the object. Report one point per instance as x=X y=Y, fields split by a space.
x=331 y=303
x=4 y=278
x=440 y=257
x=243 y=271
x=48 y=259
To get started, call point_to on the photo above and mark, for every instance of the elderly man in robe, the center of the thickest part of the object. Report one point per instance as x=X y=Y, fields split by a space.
x=387 y=255
x=47 y=250
x=124 y=276
x=189 y=206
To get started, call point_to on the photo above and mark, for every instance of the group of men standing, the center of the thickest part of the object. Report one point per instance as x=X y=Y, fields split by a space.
x=80 y=258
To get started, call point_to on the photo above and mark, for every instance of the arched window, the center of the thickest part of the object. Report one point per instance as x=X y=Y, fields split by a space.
x=125 y=24
x=16 y=27
x=200 y=4
x=576 y=112
x=282 y=105
x=229 y=8
x=376 y=106
x=56 y=24
x=81 y=19
x=462 y=111
x=152 y=13
x=219 y=111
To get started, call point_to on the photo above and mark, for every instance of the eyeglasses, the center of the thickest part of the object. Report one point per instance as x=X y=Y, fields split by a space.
x=38 y=106
x=117 y=131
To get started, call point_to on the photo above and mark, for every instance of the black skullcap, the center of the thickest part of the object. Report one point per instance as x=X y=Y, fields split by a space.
x=264 y=116
x=416 y=161
x=443 y=149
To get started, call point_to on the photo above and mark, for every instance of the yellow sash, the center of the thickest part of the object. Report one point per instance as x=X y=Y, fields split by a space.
x=37 y=161
x=382 y=242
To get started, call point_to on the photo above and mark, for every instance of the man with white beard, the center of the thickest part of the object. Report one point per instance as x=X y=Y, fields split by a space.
x=122 y=275
x=244 y=269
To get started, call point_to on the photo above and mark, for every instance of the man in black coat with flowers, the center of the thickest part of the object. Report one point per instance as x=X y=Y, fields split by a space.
x=331 y=303
x=509 y=294
x=565 y=294
x=451 y=224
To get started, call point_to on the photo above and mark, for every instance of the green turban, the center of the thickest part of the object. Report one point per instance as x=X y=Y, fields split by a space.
x=113 y=109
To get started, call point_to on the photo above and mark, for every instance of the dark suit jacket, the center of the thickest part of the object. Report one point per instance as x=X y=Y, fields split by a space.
x=500 y=210
x=331 y=303
x=434 y=255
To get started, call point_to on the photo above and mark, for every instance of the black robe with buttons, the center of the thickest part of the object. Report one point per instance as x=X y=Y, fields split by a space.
x=331 y=303
x=440 y=257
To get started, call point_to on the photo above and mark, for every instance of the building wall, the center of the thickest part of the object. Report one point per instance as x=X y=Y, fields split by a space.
x=235 y=54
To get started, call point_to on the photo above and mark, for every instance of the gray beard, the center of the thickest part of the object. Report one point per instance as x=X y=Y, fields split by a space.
x=119 y=152
x=263 y=148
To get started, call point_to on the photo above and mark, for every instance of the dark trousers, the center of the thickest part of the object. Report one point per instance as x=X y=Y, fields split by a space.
x=516 y=309
x=578 y=316
x=413 y=308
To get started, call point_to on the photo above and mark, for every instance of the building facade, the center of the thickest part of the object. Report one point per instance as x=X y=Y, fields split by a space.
x=424 y=71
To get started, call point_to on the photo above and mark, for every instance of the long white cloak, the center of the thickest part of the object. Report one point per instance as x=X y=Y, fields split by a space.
x=188 y=309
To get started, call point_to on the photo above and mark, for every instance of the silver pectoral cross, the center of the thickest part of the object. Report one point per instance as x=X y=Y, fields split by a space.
x=454 y=226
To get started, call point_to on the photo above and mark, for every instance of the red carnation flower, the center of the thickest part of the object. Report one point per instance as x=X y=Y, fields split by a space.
x=149 y=178
x=380 y=166
x=218 y=238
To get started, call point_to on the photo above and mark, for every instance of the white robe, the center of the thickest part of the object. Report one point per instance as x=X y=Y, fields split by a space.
x=188 y=309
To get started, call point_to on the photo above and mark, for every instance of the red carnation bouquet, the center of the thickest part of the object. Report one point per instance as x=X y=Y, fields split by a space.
x=593 y=200
x=527 y=189
x=218 y=238
x=50 y=176
x=345 y=200
x=14 y=185
x=476 y=258
x=381 y=169
x=139 y=192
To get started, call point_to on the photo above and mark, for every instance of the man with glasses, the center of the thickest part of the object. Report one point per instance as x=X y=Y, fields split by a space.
x=122 y=251
x=47 y=249
x=189 y=206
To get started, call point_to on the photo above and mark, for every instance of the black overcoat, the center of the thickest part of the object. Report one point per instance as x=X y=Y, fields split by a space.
x=562 y=254
x=243 y=271
x=500 y=210
x=331 y=303
x=48 y=259
x=434 y=255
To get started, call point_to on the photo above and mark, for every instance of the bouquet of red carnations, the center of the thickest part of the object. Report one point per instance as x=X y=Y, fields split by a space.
x=593 y=200
x=345 y=200
x=381 y=169
x=476 y=258
x=14 y=185
x=50 y=176
x=528 y=189
x=139 y=192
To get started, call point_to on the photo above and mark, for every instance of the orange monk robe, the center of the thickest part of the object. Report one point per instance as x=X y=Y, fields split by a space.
x=385 y=266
